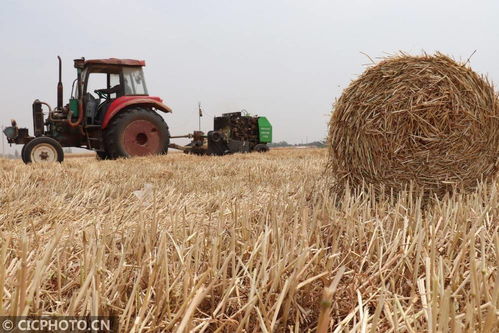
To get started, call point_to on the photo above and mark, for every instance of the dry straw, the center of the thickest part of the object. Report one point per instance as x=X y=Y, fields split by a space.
x=426 y=120
x=241 y=243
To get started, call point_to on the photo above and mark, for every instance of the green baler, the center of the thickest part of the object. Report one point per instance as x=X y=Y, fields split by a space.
x=232 y=133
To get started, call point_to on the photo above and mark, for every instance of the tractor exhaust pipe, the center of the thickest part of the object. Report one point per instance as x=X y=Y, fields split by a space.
x=59 y=86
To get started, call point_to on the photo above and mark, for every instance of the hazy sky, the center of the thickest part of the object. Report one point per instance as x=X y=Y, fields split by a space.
x=287 y=60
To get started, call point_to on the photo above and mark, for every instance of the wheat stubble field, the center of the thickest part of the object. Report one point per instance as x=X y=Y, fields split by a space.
x=242 y=243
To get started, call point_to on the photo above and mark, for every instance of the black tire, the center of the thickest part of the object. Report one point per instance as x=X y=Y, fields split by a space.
x=123 y=136
x=216 y=136
x=261 y=148
x=22 y=153
x=42 y=149
x=102 y=155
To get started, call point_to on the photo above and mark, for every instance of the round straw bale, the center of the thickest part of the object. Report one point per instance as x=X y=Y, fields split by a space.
x=425 y=120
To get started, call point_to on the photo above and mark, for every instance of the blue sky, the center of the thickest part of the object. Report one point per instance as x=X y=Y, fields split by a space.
x=287 y=60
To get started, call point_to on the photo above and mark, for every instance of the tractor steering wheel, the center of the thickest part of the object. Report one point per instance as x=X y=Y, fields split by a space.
x=100 y=93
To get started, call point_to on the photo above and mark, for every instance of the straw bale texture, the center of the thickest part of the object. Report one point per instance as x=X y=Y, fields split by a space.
x=422 y=119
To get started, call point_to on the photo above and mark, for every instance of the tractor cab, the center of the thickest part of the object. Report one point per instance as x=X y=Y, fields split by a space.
x=103 y=81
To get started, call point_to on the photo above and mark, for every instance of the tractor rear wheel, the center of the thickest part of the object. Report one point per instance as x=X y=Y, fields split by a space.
x=102 y=155
x=42 y=149
x=136 y=132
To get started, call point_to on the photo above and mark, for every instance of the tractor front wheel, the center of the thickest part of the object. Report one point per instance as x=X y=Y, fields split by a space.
x=42 y=149
x=136 y=132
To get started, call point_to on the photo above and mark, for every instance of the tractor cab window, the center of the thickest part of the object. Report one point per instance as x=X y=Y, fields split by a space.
x=104 y=85
x=114 y=85
x=101 y=89
x=133 y=78
x=96 y=81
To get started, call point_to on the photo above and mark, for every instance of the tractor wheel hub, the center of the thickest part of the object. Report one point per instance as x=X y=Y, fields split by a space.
x=141 y=137
x=43 y=152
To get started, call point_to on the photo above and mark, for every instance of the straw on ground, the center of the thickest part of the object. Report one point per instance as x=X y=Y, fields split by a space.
x=243 y=243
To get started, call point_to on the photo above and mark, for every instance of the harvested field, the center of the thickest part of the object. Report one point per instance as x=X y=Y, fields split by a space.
x=248 y=243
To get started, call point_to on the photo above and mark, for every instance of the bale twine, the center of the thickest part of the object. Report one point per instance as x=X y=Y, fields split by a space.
x=421 y=120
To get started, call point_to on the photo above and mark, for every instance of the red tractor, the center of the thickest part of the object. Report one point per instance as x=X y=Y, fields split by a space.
x=119 y=119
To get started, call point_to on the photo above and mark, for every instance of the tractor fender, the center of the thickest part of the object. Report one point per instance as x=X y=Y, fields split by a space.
x=124 y=102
